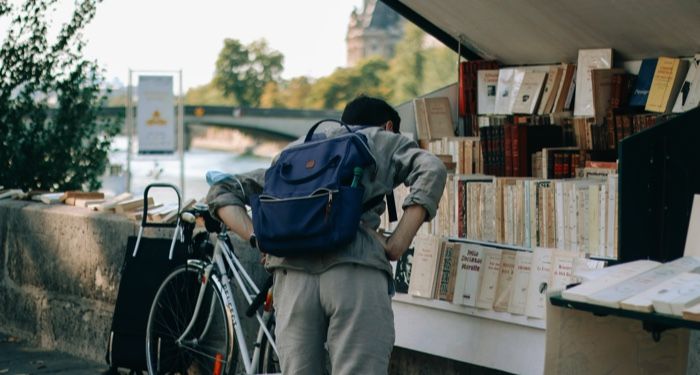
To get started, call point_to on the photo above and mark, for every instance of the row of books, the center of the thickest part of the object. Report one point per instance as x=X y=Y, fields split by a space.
x=464 y=153
x=488 y=278
x=590 y=87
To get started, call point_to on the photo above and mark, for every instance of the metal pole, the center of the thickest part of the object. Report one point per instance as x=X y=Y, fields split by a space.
x=130 y=131
x=181 y=136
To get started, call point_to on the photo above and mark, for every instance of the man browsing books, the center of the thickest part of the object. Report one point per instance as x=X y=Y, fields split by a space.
x=342 y=297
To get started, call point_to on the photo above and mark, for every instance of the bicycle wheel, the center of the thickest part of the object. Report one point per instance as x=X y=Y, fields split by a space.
x=208 y=348
x=269 y=362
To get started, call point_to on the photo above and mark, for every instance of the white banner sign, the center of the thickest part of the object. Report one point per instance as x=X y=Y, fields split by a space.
x=155 y=115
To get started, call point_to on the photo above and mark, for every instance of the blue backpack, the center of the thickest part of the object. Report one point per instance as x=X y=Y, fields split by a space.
x=308 y=204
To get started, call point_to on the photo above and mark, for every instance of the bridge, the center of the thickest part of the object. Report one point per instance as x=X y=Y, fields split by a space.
x=286 y=123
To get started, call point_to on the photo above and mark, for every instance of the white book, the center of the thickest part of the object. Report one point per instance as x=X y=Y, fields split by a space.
x=607 y=277
x=529 y=93
x=48 y=198
x=504 y=287
x=679 y=293
x=560 y=221
x=593 y=218
x=618 y=292
x=486 y=83
x=521 y=279
x=425 y=258
x=684 y=101
x=504 y=91
x=537 y=285
x=468 y=274
x=644 y=301
x=603 y=219
x=11 y=194
x=589 y=59
x=612 y=217
x=562 y=269
x=488 y=280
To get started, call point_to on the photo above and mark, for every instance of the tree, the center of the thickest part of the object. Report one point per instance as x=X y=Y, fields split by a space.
x=243 y=71
x=208 y=94
x=344 y=84
x=50 y=97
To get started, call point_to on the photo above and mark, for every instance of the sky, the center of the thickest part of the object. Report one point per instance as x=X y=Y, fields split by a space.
x=176 y=34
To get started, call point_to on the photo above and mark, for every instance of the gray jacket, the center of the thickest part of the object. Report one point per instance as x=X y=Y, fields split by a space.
x=399 y=160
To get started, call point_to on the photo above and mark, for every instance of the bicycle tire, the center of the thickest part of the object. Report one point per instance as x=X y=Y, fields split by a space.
x=269 y=363
x=210 y=347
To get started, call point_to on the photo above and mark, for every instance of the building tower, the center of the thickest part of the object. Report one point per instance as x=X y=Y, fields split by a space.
x=374 y=31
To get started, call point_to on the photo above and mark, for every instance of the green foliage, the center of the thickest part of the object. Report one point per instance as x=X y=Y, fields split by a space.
x=208 y=94
x=243 y=71
x=344 y=84
x=50 y=97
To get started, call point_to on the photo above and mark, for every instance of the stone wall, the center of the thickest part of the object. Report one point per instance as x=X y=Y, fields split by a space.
x=59 y=274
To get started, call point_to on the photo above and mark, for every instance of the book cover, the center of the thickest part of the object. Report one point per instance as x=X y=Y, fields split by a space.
x=589 y=59
x=521 y=279
x=643 y=83
x=504 y=286
x=425 y=258
x=468 y=274
x=668 y=78
x=486 y=85
x=402 y=276
x=549 y=91
x=601 y=89
x=693 y=98
x=504 y=91
x=680 y=105
x=448 y=272
x=538 y=282
x=529 y=93
x=644 y=301
x=439 y=115
x=419 y=109
x=488 y=281
x=566 y=88
x=562 y=269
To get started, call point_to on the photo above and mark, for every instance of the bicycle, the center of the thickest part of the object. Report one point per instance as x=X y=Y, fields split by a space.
x=194 y=324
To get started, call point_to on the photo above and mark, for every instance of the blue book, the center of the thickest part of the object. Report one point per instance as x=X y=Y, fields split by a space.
x=644 y=78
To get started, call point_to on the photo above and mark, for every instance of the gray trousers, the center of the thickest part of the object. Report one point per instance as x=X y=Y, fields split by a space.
x=348 y=306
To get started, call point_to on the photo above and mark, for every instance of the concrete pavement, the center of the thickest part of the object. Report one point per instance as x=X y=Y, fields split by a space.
x=18 y=357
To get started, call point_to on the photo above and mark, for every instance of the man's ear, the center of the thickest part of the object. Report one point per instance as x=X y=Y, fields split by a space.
x=389 y=126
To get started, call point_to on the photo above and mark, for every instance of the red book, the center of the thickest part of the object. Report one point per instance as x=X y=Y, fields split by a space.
x=508 y=149
x=601 y=164
x=566 y=165
x=558 y=167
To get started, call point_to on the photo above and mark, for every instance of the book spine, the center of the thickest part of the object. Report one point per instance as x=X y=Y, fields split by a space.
x=508 y=131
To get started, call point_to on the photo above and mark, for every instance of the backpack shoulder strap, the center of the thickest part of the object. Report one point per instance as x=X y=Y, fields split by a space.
x=390 y=205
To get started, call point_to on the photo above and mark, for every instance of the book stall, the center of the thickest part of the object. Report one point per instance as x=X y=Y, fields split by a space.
x=569 y=163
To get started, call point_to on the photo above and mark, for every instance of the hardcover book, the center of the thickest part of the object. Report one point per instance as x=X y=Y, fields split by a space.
x=643 y=83
x=528 y=96
x=549 y=92
x=601 y=88
x=668 y=79
x=486 y=85
x=589 y=59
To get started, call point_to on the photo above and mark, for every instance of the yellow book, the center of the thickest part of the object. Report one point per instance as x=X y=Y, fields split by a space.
x=667 y=80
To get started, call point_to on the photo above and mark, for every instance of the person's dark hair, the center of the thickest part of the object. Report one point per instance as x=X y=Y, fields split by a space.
x=369 y=111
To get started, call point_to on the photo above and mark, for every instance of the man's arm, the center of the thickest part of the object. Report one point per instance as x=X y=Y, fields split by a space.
x=400 y=240
x=237 y=220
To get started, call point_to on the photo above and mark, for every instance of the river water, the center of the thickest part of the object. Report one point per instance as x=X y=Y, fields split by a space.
x=148 y=169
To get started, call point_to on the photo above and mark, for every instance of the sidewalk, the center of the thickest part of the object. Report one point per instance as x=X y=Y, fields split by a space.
x=20 y=358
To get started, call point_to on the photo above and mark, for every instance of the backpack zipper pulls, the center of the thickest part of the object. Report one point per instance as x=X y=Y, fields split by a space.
x=328 y=206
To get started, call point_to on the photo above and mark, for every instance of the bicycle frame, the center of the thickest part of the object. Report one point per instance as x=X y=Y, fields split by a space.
x=223 y=261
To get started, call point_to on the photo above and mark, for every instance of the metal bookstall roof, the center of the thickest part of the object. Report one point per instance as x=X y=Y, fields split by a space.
x=523 y=32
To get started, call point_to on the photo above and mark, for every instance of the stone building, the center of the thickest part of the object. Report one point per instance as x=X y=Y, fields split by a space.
x=373 y=31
